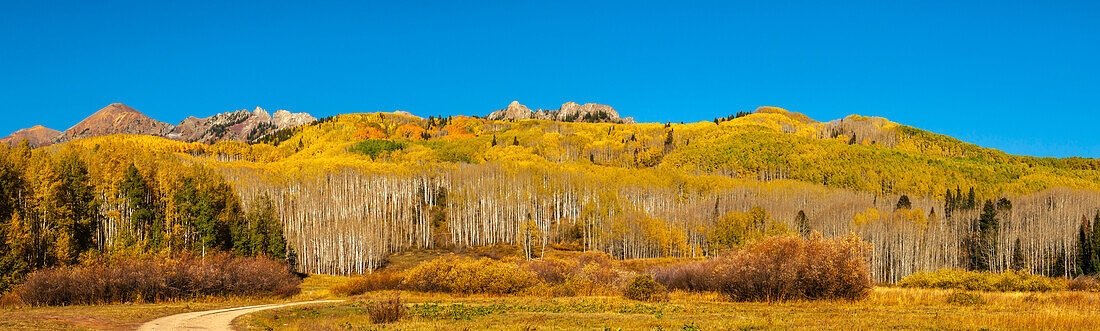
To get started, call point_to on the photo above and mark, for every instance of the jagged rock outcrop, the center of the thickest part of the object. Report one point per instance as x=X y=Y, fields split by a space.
x=37 y=136
x=116 y=118
x=241 y=125
x=569 y=112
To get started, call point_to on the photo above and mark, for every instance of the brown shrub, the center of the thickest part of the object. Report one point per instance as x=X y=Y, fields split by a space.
x=691 y=276
x=644 y=288
x=379 y=281
x=153 y=279
x=552 y=270
x=10 y=299
x=386 y=311
x=1083 y=283
x=785 y=268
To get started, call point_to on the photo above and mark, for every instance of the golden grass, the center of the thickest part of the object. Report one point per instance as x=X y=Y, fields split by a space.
x=885 y=308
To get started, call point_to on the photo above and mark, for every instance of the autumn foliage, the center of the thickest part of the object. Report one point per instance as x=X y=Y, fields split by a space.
x=1009 y=280
x=155 y=279
x=465 y=275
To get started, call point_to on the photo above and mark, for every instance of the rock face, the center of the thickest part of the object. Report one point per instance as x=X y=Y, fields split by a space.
x=37 y=136
x=116 y=118
x=569 y=112
x=241 y=125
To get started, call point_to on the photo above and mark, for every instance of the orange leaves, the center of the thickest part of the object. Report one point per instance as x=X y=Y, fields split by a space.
x=410 y=131
x=370 y=132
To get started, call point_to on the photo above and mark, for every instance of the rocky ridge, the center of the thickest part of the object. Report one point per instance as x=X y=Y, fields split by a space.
x=117 y=118
x=569 y=112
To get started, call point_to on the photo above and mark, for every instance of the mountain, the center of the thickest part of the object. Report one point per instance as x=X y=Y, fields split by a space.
x=343 y=185
x=116 y=118
x=241 y=125
x=37 y=136
x=569 y=112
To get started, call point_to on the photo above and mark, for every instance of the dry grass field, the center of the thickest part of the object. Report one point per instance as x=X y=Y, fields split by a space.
x=885 y=308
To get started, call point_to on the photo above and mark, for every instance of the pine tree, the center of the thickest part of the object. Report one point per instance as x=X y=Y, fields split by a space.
x=903 y=203
x=970 y=203
x=1018 y=262
x=803 y=224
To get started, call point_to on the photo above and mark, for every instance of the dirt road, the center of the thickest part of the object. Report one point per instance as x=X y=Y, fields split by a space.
x=220 y=319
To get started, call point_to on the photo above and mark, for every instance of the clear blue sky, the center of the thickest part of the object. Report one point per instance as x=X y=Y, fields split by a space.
x=1023 y=77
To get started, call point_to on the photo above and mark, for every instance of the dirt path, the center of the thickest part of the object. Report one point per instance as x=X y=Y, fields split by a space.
x=221 y=319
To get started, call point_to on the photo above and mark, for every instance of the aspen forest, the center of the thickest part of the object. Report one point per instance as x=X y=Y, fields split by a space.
x=339 y=195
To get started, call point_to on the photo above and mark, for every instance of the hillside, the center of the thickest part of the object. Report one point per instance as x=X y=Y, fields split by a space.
x=353 y=188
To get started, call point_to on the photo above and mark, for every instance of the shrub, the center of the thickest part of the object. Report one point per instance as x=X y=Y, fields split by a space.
x=153 y=279
x=378 y=281
x=386 y=311
x=1009 y=280
x=784 y=268
x=552 y=270
x=464 y=275
x=644 y=288
x=965 y=298
x=1083 y=283
x=691 y=276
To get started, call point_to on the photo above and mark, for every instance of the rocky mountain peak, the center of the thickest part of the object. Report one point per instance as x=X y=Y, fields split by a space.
x=116 y=118
x=241 y=125
x=37 y=136
x=569 y=112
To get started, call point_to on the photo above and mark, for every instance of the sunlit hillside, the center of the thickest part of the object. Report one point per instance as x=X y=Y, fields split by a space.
x=353 y=188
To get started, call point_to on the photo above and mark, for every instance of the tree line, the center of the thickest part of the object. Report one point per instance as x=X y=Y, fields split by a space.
x=60 y=205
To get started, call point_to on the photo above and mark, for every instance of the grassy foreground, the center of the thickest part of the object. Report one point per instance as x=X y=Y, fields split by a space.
x=885 y=308
x=130 y=316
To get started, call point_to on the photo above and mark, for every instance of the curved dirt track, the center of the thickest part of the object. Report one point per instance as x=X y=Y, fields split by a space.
x=220 y=319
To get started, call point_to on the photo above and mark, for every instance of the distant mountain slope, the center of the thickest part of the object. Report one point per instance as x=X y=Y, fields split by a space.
x=116 y=118
x=37 y=136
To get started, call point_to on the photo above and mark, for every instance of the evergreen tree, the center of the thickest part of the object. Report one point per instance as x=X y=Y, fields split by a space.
x=1086 y=259
x=143 y=226
x=970 y=203
x=1018 y=262
x=903 y=203
x=803 y=224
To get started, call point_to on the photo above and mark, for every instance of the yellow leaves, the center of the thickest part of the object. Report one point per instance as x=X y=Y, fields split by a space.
x=915 y=216
x=651 y=157
x=866 y=217
x=513 y=154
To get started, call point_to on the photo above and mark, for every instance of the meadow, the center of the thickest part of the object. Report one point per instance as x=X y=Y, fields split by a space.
x=884 y=308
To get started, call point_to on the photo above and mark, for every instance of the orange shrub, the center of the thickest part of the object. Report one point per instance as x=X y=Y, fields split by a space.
x=785 y=268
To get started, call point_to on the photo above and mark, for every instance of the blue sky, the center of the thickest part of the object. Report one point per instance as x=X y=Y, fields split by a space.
x=1023 y=77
